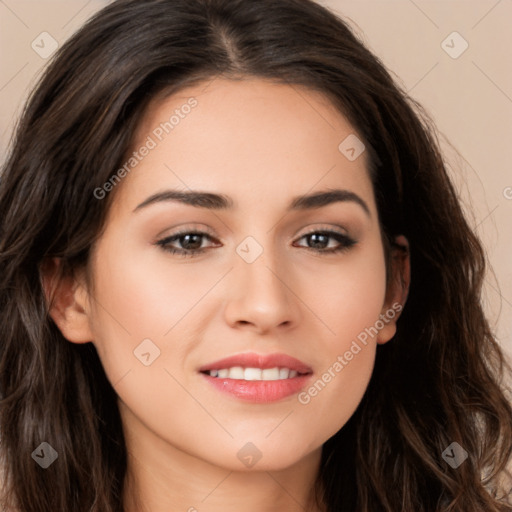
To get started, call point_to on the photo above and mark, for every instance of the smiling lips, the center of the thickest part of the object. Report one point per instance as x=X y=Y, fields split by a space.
x=256 y=377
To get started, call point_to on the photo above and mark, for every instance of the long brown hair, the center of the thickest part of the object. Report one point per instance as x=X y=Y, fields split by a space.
x=439 y=381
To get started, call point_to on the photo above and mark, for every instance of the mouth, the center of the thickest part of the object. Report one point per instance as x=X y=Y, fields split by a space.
x=251 y=374
x=258 y=377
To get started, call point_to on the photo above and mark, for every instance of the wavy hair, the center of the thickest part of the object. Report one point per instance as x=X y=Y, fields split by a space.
x=439 y=381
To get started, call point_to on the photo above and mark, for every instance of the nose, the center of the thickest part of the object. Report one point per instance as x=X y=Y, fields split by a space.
x=261 y=296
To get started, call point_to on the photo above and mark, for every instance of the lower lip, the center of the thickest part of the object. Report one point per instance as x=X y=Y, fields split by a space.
x=260 y=391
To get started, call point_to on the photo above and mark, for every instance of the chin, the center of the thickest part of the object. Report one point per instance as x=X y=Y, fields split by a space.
x=267 y=455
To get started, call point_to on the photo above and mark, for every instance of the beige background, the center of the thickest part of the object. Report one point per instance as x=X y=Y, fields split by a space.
x=470 y=97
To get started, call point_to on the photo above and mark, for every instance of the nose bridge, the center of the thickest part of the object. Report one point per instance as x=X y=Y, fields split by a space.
x=261 y=294
x=260 y=272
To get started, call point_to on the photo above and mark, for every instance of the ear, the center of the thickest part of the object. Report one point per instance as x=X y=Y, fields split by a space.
x=68 y=302
x=397 y=290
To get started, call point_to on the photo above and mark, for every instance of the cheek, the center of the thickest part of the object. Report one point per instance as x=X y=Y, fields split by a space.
x=350 y=301
x=146 y=295
x=348 y=297
x=140 y=296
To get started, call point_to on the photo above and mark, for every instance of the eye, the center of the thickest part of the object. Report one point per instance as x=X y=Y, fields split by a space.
x=320 y=241
x=190 y=241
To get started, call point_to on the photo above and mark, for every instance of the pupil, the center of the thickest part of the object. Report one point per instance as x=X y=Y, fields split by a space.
x=317 y=243
x=187 y=243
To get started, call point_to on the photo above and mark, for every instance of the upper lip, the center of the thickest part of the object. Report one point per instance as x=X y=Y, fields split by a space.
x=263 y=361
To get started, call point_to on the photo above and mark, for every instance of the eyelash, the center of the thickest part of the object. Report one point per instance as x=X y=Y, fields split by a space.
x=345 y=242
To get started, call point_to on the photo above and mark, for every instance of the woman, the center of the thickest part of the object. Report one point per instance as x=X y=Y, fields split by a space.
x=235 y=275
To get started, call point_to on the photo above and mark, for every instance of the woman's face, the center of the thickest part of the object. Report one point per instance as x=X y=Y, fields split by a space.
x=288 y=288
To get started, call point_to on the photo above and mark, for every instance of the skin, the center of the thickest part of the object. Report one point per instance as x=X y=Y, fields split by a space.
x=262 y=144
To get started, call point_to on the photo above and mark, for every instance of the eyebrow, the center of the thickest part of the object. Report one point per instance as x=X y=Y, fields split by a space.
x=213 y=201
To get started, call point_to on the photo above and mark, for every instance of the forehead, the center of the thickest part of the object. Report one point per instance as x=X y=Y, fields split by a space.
x=250 y=136
x=248 y=111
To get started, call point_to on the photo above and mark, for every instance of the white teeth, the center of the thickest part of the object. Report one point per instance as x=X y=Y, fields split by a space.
x=239 y=373
x=252 y=374
x=284 y=373
x=270 y=374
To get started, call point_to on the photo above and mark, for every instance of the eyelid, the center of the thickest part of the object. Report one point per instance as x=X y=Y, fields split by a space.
x=322 y=228
x=185 y=230
x=328 y=227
